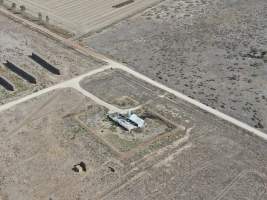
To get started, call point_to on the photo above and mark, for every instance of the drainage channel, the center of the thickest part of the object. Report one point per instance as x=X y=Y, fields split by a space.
x=20 y=72
x=43 y=63
x=123 y=4
x=6 y=84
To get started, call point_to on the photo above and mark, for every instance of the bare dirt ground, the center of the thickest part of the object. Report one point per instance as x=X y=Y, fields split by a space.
x=213 y=51
x=182 y=153
x=18 y=42
x=82 y=16
x=42 y=139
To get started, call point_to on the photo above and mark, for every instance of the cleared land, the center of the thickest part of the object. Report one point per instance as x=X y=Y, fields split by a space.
x=84 y=16
x=182 y=152
x=213 y=51
x=191 y=155
x=17 y=43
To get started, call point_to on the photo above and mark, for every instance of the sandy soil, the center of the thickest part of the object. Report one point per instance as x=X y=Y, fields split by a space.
x=213 y=51
x=18 y=42
x=42 y=139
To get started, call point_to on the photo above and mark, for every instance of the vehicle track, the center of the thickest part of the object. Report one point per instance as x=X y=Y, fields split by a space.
x=116 y=65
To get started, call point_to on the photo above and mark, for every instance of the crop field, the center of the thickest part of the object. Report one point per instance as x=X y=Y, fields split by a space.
x=183 y=68
x=83 y=16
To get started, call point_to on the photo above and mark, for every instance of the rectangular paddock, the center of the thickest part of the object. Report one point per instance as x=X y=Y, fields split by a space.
x=85 y=16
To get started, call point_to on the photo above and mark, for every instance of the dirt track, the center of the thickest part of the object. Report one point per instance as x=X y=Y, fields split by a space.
x=209 y=50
